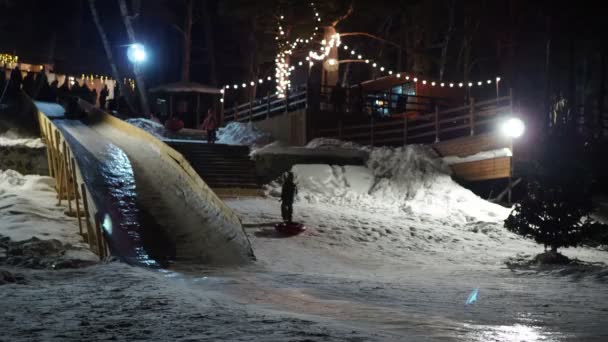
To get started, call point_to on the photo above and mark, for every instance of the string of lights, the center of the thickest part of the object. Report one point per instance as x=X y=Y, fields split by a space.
x=284 y=70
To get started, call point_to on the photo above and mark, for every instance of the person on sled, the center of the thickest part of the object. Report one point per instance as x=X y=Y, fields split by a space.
x=288 y=194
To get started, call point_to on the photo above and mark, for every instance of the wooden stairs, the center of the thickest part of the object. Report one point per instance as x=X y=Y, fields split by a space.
x=227 y=169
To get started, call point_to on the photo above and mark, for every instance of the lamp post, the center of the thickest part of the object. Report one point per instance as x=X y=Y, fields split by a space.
x=136 y=53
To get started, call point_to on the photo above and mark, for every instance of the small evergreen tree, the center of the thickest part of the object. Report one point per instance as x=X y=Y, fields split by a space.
x=556 y=209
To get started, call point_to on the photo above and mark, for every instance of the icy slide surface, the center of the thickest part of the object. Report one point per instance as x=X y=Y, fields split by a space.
x=153 y=211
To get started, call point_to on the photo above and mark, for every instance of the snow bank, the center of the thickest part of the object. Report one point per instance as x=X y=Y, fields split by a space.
x=152 y=127
x=238 y=133
x=28 y=209
x=412 y=179
x=12 y=138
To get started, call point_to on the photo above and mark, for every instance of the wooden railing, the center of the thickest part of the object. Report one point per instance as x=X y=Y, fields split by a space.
x=70 y=187
x=266 y=107
x=474 y=118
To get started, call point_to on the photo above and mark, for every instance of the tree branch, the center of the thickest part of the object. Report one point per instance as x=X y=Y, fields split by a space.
x=345 y=16
x=179 y=29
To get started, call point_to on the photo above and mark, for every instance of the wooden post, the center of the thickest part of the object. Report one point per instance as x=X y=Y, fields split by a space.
x=198 y=110
x=436 y=123
x=50 y=147
x=222 y=115
x=371 y=132
x=48 y=143
x=472 y=116
x=99 y=235
x=58 y=164
x=286 y=101
x=512 y=152
x=59 y=181
x=68 y=187
x=76 y=195
x=405 y=130
x=85 y=203
x=268 y=106
x=251 y=105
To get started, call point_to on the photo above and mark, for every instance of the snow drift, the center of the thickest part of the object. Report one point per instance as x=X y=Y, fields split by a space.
x=29 y=216
x=152 y=127
x=412 y=179
x=238 y=133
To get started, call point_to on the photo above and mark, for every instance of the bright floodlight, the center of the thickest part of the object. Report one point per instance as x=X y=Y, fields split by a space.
x=136 y=53
x=513 y=128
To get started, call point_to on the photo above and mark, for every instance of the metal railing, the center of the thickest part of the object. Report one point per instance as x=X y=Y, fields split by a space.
x=266 y=107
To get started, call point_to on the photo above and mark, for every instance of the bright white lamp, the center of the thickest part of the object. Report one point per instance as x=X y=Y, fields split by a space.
x=513 y=128
x=136 y=53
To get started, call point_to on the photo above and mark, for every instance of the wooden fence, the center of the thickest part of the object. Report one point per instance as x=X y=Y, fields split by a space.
x=70 y=188
x=469 y=120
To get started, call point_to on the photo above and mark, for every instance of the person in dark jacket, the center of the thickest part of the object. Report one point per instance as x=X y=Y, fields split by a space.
x=54 y=91
x=288 y=194
x=29 y=83
x=210 y=125
x=15 y=82
x=103 y=96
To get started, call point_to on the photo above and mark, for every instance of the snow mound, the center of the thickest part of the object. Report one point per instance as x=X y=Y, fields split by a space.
x=238 y=133
x=11 y=138
x=411 y=179
x=152 y=127
x=28 y=210
x=329 y=143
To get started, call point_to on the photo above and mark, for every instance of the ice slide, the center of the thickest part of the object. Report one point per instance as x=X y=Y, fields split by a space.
x=153 y=205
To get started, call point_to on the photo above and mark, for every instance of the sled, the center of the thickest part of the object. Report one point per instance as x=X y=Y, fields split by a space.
x=292 y=228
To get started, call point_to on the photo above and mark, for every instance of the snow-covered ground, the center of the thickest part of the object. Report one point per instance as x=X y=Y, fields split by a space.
x=392 y=251
x=28 y=210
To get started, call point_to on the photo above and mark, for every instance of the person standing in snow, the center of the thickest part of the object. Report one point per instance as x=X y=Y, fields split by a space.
x=210 y=125
x=288 y=194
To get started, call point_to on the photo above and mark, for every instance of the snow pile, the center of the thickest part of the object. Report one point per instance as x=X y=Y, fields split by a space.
x=412 y=179
x=12 y=138
x=152 y=127
x=238 y=133
x=28 y=210
x=329 y=143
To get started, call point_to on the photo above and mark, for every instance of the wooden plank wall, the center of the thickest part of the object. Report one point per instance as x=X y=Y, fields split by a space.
x=496 y=168
x=467 y=146
x=483 y=170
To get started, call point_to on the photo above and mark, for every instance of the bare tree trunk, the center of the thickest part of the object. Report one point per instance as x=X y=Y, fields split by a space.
x=602 y=94
x=446 y=41
x=571 y=83
x=547 y=104
x=210 y=42
x=253 y=56
x=108 y=50
x=187 y=35
x=141 y=86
